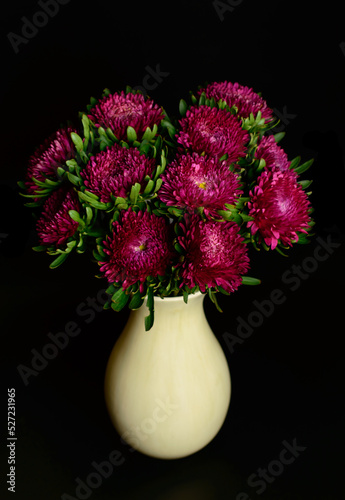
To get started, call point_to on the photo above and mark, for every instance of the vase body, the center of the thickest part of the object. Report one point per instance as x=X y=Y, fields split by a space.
x=168 y=390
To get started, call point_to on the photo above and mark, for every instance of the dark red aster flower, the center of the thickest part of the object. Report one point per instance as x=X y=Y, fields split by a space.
x=55 y=226
x=280 y=208
x=199 y=181
x=274 y=156
x=53 y=153
x=213 y=131
x=139 y=246
x=244 y=98
x=115 y=171
x=118 y=111
x=215 y=254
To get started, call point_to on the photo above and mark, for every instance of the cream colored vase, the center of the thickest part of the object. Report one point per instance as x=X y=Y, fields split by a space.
x=168 y=390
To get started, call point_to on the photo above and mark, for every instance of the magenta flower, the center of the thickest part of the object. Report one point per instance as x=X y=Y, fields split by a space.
x=55 y=226
x=115 y=170
x=118 y=111
x=199 y=181
x=139 y=246
x=244 y=98
x=53 y=153
x=275 y=157
x=213 y=131
x=280 y=208
x=215 y=254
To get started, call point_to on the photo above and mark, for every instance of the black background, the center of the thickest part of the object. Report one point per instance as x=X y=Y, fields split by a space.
x=288 y=375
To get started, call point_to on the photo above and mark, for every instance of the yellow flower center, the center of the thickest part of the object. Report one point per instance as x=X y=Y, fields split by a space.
x=142 y=247
x=202 y=185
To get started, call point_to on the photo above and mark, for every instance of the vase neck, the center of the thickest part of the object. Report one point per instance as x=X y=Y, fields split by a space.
x=169 y=306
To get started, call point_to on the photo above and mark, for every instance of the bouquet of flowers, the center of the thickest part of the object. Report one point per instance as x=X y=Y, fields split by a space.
x=168 y=206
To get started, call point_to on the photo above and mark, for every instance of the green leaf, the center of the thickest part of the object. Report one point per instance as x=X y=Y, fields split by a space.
x=265 y=246
x=71 y=164
x=240 y=202
x=71 y=244
x=100 y=252
x=159 y=182
x=131 y=134
x=178 y=229
x=247 y=280
x=91 y=195
x=176 y=211
x=134 y=192
x=39 y=248
x=149 y=187
x=58 y=261
x=185 y=296
x=39 y=183
x=111 y=135
x=158 y=143
x=213 y=297
x=49 y=182
x=159 y=171
x=246 y=217
x=167 y=124
x=278 y=137
x=305 y=184
x=279 y=250
x=110 y=290
x=73 y=179
x=302 y=168
x=149 y=320
x=144 y=148
x=98 y=257
x=93 y=102
x=154 y=130
x=33 y=204
x=119 y=300
x=147 y=134
x=98 y=204
x=101 y=132
x=94 y=203
x=183 y=107
x=237 y=218
x=202 y=99
x=261 y=166
x=86 y=128
x=295 y=162
x=303 y=240
x=226 y=214
x=77 y=140
x=193 y=99
x=89 y=214
x=179 y=249
x=60 y=171
x=119 y=200
x=75 y=216
x=122 y=206
x=136 y=301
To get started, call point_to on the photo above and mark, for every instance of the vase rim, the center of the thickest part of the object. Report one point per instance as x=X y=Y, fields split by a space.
x=180 y=297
